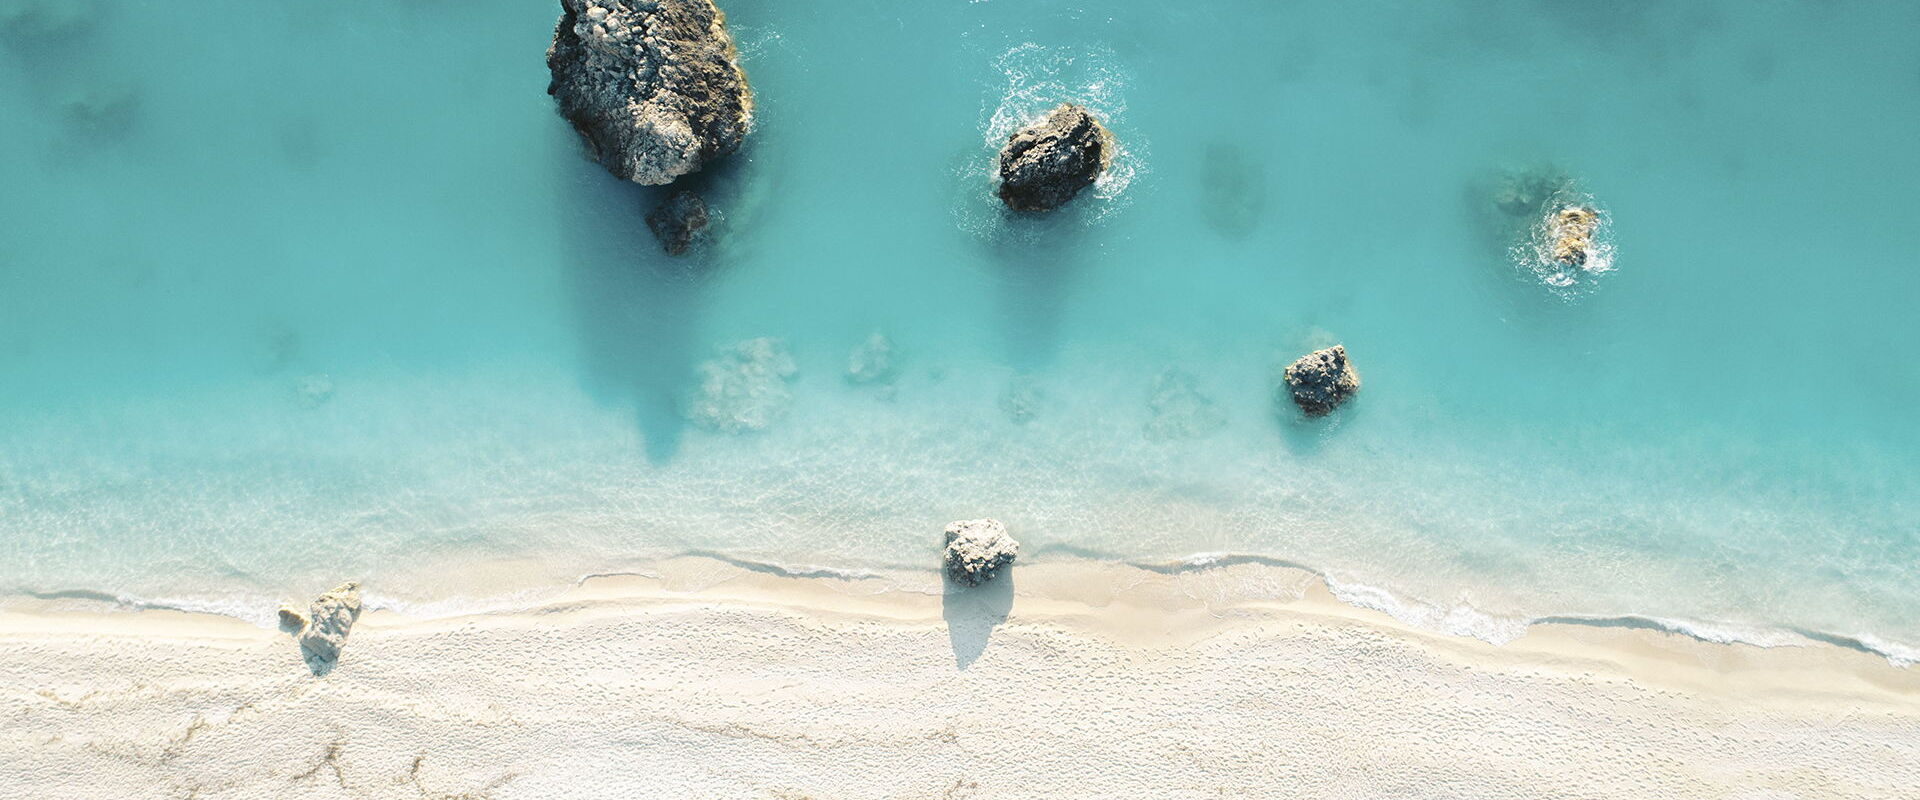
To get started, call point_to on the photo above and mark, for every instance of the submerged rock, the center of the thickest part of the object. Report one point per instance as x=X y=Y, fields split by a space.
x=745 y=388
x=654 y=87
x=1021 y=401
x=977 y=549
x=1522 y=195
x=328 y=620
x=43 y=22
x=1321 y=380
x=871 y=361
x=105 y=113
x=313 y=390
x=1178 y=410
x=1045 y=164
x=677 y=220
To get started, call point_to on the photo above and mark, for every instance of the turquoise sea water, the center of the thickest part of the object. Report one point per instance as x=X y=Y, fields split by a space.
x=293 y=293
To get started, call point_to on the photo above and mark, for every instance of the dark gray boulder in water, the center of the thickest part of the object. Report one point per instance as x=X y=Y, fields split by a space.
x=1321 y=380
x=1045 y=164
x=654 y=87
x=977 y=549
x=677 y=220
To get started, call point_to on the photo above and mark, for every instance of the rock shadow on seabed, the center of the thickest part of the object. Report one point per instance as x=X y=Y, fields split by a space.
x=1036 y=261
x=638 y=307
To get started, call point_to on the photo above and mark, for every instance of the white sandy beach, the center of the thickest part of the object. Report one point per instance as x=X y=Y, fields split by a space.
x=706 y=680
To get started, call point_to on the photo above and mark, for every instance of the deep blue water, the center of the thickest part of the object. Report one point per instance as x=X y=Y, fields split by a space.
x=288 y=293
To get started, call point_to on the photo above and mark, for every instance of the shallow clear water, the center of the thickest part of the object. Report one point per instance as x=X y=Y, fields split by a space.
x=292 y=294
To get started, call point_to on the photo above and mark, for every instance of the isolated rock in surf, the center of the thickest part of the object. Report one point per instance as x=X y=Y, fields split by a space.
x=1047 y=163
x=977 y=549
x=1571 y=231
x=1320 y=381
x=328 y=620
x=654 y=87
x=678 y=220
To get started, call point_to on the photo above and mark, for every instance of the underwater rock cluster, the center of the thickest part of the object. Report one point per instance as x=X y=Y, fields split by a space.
x=871 y=362
x=977 y=549
x=1320 y=381
x=1177 y=409
x=745 y=388
x=1050 y=161
x=653 y=87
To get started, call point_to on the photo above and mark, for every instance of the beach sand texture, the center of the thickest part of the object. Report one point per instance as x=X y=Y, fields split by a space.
x=1073 y=679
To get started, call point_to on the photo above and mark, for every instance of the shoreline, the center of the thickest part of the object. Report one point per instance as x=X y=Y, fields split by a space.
x=511 y=589
x=750 y=684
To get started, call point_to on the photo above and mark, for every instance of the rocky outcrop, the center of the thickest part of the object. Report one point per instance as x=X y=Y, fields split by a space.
x=977 y=549
x=678 y=220
x=1045 y=164
x=1320 y=381
x=744 y=388
x=328 y=619
x=1570 y=229
x=654 y=87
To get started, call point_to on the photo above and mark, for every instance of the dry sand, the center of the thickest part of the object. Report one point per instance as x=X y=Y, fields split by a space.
x=1075 y=679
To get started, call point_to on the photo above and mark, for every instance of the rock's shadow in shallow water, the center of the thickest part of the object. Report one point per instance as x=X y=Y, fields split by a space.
x=972 y=612
x=1233 y=190
x=1036 y=259
x=639 y=308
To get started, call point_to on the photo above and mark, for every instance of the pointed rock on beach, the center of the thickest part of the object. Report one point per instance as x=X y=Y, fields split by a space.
x=328 y=620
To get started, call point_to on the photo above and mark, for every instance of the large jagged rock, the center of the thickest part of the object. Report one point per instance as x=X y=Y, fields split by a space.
x=678 y=220
x=1321 y=380
x=1045 y=164
x=328 y=619
x=744 y=388
x=977 y=549
x=653 y=86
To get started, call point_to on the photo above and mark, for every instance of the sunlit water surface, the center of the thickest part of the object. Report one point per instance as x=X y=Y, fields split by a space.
x=293 y=293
